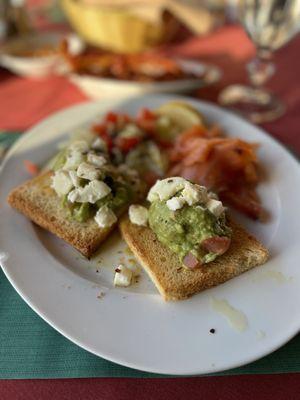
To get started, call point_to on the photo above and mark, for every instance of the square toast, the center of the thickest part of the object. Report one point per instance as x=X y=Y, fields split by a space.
x=175 y=282
x=39 y=202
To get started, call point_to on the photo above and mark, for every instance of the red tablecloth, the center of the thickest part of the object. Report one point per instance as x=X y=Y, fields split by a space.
x=24 y=102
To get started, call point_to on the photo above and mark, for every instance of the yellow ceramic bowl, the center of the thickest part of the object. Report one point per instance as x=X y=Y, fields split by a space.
x=111 y=28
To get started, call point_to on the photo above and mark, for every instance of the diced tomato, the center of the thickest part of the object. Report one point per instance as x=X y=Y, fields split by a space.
x=127 y=144
x=108 y=140
x=146 y=114
x=100 y=129
x=31 y=167
x=123 y=120
x=147 y=125
x=126 y=118
x=191 y=261
x=111 y=117
x=217 y=244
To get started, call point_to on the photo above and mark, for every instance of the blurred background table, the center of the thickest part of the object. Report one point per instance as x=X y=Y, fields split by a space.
x=24 y=102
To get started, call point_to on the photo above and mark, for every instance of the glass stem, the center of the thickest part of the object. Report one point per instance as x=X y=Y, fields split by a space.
x=260 y=69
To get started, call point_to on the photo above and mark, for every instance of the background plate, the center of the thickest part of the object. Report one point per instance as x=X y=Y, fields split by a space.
x=98 y=88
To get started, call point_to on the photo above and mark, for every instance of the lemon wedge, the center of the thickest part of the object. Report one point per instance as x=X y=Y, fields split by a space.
x=181 y=115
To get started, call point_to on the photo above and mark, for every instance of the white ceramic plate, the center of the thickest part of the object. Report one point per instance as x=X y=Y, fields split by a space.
x=37 y=66
x=98 y=88
x=134 y=326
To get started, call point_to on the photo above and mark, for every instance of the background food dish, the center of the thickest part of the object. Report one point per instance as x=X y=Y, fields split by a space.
x=129 y=348
x=96 y=87
x=36 y=55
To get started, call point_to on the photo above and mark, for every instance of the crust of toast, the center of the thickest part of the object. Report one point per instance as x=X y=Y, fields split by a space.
x=39 y=202
x=173 y=281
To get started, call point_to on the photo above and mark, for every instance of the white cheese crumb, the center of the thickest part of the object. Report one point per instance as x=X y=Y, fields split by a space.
x=215 y=207
x=213 y=195
x=61 y=182
x=74 y=159
x=138 y=215
x=123 y=276
x=131 y=130
x=166 y=188
x=90 y=193
x=194 y=194
x=105 y=217
x=99 y=144
x=98 y=161
x=88 y=171
x=175 y=203
x=74 y=178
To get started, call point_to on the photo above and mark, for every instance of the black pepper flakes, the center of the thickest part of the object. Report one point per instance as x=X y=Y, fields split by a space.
x=212 y=330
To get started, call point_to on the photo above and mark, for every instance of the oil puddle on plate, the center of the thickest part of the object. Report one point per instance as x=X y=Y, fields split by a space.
x=236 y=318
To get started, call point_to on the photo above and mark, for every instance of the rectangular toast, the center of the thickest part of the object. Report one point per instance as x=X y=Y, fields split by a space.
x=175 y=282
x=39 y=202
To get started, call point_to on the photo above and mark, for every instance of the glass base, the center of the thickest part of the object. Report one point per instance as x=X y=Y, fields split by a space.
x=257 y=105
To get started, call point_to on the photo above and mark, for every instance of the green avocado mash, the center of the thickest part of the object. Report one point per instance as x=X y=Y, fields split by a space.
x=182 y=231
x=119 y=198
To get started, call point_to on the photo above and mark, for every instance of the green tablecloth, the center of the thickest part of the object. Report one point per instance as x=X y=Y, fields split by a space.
x=29 y=348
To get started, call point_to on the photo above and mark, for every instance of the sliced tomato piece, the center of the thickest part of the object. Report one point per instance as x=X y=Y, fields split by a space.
x=217 y=244
x=191 y=261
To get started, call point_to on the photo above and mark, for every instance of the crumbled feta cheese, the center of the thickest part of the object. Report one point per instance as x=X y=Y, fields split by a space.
x=105 y=217
x=74 y=178
x=76 y=154
x=175 y=203
x=194 y=193
x=123 y=276
x=215 y=207
x=73 y=160
x=98 y=161
x=138 y=215
x=61 y=182
x=90 y=193
x=80 y=146
x=99 y=144
x=88 y=171
x=166 y=188
x=213 y=195
x=131 y=130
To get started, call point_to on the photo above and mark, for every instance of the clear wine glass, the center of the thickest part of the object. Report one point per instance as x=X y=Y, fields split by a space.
x=270 y=24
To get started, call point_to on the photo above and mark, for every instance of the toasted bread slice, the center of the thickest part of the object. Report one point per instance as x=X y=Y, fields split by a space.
x=39 y=202
x=175 y=282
